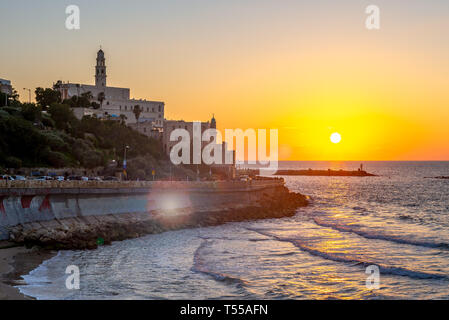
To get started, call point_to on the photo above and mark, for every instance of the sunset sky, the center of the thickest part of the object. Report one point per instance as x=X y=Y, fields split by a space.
x=307 y=68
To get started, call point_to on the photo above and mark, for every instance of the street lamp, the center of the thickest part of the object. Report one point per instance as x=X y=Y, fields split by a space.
x=124 y=162
x=29 y=94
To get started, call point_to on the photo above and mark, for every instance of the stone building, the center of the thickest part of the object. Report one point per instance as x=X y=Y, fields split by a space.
x=115 y=103
x=222 y=169
x=147 y=128
x=170 y=125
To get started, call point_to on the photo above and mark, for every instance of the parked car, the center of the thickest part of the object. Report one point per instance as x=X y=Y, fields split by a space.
x=6 y=177
x=84 y=179
x=110 y=179
x=59 y=178
x=94 y=179
x=20 y=178
x=43 y=178
x=74 y=178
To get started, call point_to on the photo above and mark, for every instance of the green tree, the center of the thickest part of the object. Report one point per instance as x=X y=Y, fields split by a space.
x=31 y=112
x=62 y=115
x=81 y=101
x=47 y=97
x=87 y=96
x=95 y=105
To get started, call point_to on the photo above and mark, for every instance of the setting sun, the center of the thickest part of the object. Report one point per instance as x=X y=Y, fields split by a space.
x=335 y=137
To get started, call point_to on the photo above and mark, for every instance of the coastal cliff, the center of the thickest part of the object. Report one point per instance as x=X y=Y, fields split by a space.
x=77 y=215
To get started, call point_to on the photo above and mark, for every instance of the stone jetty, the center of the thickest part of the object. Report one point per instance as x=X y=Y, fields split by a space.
x=83 y=215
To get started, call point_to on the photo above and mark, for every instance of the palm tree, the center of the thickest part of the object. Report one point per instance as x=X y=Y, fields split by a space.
x=137 y=111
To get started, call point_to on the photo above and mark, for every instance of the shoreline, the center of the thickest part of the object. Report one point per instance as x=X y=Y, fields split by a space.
x=16 y=261
x=98 y=220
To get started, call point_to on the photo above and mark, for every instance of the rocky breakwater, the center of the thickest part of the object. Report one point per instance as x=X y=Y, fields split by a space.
x=151 y=208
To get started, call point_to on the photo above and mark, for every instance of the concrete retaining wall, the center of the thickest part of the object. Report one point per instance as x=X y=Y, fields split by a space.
x=23 y=202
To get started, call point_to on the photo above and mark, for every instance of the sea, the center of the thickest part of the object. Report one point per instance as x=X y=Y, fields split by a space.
x=384 y=237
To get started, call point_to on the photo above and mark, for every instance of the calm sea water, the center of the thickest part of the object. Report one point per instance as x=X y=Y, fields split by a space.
x=398 y=221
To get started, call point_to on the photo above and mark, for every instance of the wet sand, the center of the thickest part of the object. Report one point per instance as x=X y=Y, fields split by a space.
x=15 y=262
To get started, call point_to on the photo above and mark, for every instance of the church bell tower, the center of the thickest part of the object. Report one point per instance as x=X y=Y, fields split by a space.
x=100 y=70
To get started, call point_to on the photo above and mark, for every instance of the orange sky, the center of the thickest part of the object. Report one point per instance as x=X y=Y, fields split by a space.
x=306 y=69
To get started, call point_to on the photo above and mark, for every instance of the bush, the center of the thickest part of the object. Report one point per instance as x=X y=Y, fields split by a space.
x=62 y=115
x=12 y=111
x=13 y=162
x=31 y=112
x=3 y=113
x=92 y=159
x=54 y=141
x=47 y=120
x=23 y=140
x=58 y=159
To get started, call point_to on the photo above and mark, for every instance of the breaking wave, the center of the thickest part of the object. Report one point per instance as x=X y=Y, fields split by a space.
x=399 y=271
x=380 y=236
x=199 y=265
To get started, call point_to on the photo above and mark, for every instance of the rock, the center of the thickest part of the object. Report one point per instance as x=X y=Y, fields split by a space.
x=71 y=235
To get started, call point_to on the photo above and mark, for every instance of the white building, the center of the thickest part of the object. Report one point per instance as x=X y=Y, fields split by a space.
x=113 y=101
x=5 y=87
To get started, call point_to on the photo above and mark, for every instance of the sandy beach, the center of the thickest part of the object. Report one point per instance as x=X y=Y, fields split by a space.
x=15 y=262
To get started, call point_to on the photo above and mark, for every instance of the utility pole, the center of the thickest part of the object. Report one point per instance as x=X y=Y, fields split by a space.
x=124 y=162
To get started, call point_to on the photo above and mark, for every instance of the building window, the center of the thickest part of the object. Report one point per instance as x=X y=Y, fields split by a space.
x=107 y=103
x=145 y=130
x=153 y=109
x=126 y=107
x=159 y=108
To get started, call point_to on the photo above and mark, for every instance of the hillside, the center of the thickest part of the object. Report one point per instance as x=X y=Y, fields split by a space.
x=47 y=134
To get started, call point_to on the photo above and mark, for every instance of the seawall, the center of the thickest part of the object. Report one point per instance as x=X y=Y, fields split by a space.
x=82 y=214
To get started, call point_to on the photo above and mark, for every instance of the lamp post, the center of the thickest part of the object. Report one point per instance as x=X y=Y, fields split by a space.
x=29 y=94
x=124 y=162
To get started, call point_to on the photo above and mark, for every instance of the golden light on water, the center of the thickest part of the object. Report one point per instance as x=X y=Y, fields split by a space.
x=335 y=137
